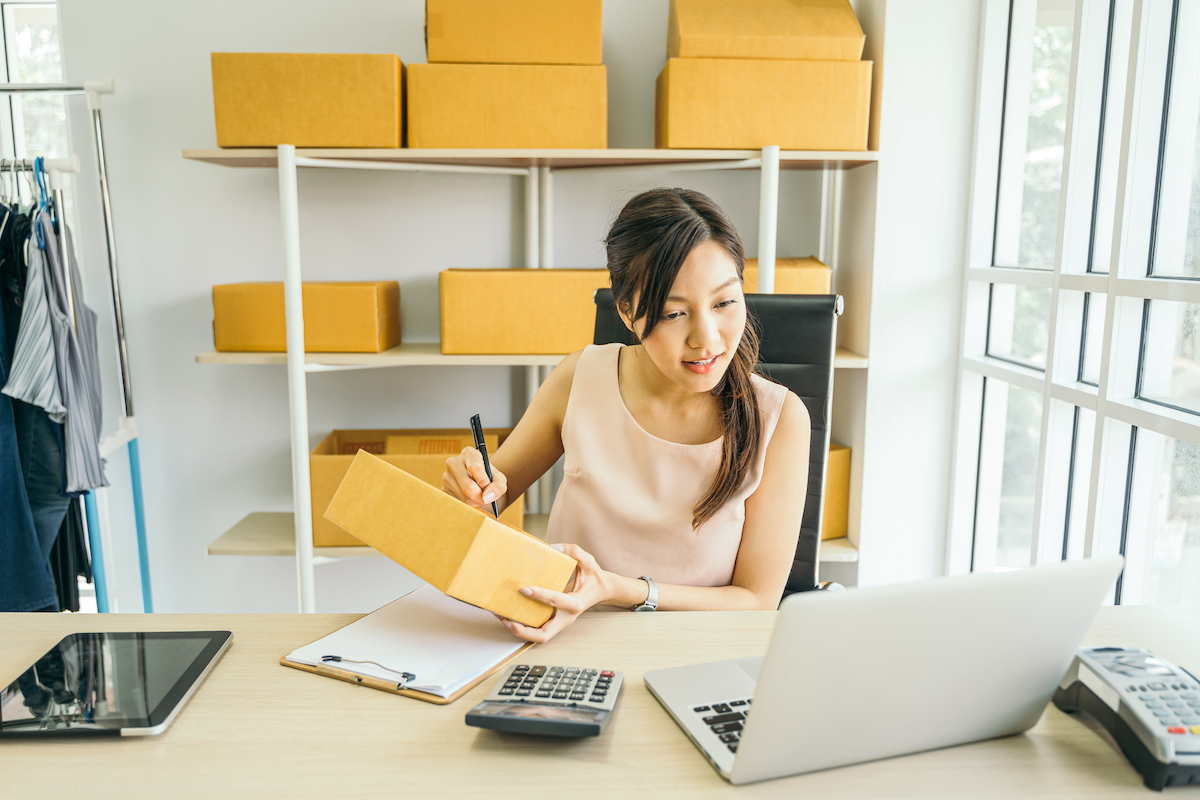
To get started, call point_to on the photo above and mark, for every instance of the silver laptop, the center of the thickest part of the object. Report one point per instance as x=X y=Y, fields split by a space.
x=877 y=672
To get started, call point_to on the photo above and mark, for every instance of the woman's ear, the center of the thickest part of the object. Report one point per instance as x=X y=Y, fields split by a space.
x=623 y=311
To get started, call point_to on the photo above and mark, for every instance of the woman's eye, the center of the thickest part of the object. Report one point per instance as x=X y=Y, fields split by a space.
x=725 y=303
x=673 y=315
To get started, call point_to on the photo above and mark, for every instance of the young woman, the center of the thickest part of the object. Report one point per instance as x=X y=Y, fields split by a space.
x=684 y=470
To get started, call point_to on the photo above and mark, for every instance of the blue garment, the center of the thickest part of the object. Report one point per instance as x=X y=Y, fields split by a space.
x=25 y=583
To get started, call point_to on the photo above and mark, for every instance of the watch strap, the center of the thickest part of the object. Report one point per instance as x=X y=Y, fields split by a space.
x=651 y=603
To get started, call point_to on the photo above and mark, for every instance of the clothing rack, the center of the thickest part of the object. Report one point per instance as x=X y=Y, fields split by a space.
x=95 y=502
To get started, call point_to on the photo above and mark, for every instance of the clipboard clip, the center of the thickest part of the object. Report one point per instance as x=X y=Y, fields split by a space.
x=405 y=677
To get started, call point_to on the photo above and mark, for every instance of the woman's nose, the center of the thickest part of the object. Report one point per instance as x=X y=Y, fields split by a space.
x=704 y=332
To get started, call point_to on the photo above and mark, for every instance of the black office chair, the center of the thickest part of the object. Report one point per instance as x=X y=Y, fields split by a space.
x=799 y=333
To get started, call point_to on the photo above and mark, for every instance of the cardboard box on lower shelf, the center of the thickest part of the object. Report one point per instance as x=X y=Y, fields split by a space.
x=458 y=549
x=308 y=99
x=507 y=106
x=338 y=317
x=421 y=453
x=738 y=103
x=792 y=276
x=554 y=306
x=835 y=521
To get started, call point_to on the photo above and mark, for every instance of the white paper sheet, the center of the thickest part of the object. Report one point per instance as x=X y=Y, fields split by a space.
x=444 y=642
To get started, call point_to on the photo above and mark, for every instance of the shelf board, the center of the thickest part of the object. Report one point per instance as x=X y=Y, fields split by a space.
x=273 y=533
x=556 y=159
x=421 y=354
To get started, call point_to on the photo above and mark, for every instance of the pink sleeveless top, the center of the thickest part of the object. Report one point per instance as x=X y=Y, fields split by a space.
x=627 y=496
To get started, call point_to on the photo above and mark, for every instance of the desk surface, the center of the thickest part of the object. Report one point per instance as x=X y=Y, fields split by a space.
x=259 y=729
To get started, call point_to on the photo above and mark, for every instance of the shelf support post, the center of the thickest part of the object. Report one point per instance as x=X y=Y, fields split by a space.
x=768 y=216
x=546 y=217
x=533 y=212
x=289 y=212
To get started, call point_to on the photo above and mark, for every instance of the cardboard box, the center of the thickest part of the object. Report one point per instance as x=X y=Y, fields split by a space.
x=308 y=99
x=742 y=104
x=458 y=549
x=421 y=453
x=792 y=276
x=513 y=31
x=809 y=30
x=507 y=106
x=518 y=311
x=338 y=317
x=835 y=520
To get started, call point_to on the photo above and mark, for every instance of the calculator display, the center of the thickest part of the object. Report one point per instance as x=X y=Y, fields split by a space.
x=533 y=711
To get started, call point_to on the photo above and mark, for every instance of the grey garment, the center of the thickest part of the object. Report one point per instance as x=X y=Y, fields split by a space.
x=34 y=377
x=75 y=357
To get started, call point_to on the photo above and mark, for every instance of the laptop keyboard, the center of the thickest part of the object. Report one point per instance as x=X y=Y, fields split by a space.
x=725 y=720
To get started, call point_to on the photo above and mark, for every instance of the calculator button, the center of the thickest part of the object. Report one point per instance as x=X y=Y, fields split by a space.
x=522 y=692
x=720 y=708
x=577 y=696
x=732 y=747
x=538 y=671
x=608 y=673
x=728 y=727
x=595 y=699
x=729 y=737
x=521 y=666
x=571 y=670
x=738 y=703
x=506 y=691
x=543 y=694
x=717 y=719
x=560 y=695
x=1176 y=730
x=699 y=709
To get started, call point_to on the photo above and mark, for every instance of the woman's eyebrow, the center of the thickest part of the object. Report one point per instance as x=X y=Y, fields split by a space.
x=678 y=299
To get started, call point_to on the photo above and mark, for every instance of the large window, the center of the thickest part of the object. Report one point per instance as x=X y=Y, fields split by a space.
x=1079 y=411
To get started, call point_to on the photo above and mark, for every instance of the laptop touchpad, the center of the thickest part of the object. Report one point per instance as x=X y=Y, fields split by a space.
x=751 y=666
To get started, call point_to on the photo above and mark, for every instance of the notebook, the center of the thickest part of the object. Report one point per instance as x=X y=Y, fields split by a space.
x=425 y=645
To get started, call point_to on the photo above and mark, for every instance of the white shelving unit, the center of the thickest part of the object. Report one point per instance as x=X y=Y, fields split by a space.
x=286 y=533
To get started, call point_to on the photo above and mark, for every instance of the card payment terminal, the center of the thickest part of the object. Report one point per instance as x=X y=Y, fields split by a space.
x=1149 y=705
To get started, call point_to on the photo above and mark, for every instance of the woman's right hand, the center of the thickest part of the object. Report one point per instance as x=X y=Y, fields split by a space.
x=466 y=479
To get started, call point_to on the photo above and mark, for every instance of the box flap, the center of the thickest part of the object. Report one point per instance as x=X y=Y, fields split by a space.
x=810 y=30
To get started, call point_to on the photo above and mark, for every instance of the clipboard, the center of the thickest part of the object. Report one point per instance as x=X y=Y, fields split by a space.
x=443 y=640
x=387 y=686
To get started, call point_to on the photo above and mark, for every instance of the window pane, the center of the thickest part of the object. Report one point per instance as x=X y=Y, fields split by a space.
x=1039 y=75
x=1008 y=470
x=1018 y=323
x=1170 y=369
x=1163 y=540
x=1093 y=337
x=31 y=44
x=1080 y=481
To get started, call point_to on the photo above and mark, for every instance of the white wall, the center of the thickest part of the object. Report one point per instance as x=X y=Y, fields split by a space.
x=925 y=130
x=214 y=439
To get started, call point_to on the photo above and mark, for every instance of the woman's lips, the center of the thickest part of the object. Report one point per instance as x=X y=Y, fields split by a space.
x=703 y=367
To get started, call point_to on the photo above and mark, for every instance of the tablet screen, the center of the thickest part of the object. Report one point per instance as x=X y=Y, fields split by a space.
x=103 y=682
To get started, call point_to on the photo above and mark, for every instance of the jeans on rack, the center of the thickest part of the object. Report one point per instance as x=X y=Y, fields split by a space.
x=40 y=441
x=25 y=582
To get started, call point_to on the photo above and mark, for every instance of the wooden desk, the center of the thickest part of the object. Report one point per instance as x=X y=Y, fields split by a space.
x=257 y=729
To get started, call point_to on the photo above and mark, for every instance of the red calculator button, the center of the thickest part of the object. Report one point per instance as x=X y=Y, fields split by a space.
x=1176 y=729
x=608 y=673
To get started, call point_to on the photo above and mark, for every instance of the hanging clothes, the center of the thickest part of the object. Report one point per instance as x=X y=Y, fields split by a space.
x=69 y=559
x=72 y=359
x=25 y=582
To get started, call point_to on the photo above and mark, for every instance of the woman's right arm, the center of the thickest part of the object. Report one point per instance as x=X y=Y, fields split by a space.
x=528 y=452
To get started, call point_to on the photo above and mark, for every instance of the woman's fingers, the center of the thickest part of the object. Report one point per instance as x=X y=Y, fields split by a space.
x=565 y=602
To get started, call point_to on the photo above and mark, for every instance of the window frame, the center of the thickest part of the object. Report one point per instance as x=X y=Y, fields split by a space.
x=1100 y=55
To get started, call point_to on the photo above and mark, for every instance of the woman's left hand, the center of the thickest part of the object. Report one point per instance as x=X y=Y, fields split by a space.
x=590 y=589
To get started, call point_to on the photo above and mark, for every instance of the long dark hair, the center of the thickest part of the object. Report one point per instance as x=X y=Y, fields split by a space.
x=646 y=245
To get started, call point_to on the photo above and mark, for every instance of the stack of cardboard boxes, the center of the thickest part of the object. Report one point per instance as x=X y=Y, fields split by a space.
x=744 y=74
x=512 y=74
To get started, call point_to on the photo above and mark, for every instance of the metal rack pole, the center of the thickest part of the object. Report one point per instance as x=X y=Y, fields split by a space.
x=768 y=216
x=289 y=212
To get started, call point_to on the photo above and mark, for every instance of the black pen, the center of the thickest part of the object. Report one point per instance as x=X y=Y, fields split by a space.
x=477 y=433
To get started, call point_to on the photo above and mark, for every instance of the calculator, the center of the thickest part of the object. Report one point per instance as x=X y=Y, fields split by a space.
x=549 y=701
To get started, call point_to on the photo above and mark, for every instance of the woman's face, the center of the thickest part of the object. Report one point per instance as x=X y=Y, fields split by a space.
x=702 y=321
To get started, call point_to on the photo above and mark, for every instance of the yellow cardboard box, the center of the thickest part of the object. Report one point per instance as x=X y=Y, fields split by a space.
x=338 y=317
x=792 y=276
x=458 y=549
x=507 y=106
x=421 y=453
x=739 y=104
x=835 y=520
x=518 y=311
x=513 y=31
x=810 y=30
x=308 y=99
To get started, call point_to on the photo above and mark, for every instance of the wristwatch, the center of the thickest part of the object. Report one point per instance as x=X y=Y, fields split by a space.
x=651 y=603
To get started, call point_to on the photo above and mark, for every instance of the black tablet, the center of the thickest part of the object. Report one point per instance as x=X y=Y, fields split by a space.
x=116 y=684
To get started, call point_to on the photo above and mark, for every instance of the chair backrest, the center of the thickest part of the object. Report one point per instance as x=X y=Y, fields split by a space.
x=799 y=333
